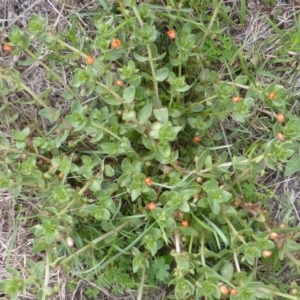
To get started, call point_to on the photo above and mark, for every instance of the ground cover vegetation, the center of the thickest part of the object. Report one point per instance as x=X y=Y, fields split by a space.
x=148 y=172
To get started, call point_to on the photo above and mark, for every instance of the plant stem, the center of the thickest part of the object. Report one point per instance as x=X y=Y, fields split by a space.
x=270 y=292
x=28 y=90
x=177 y=240
x=237 y=265
x=208 y=30
x=118 y=97
x=46 y=279
x=141 y=287
x=202 y=248
x=158 y=103
x=155 y=85
x=179 y=75
x=95 y=241
x=233 y=229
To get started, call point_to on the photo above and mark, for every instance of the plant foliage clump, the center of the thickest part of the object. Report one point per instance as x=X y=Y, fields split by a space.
x=151 y=177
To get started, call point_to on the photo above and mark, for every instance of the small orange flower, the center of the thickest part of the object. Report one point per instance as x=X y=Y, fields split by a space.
x=236 y=203
x=196 y=139
x=273 y=235
x=272 y=96
x=90 y=60
x=280 y=136
x=115 y=43
x=118 y=82
x=171 y=34
x=151 y=205
x=185 y=223
x=148 y=181
x=224 y=290
x=233 y=291
x=236 y=99
x=7 y=48
x=267 y=253
x=280 y=117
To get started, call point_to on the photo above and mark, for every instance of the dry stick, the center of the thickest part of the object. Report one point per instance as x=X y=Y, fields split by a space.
x=277 y=243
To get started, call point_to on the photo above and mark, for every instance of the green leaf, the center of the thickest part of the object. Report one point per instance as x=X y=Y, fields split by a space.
x=161 y=269
x=112 y=148
x=161 y=114
x=144 y=113
x=67 y=95
x=210 y=185
x=39 y=269
x=129 y=94
x=293 y=165
x=242 y=79
x=102 y=214
x=292 y=246
x=182 y=88
x=214 y=205
x=148 y=142
x=162 y=74
x=196 y=107
x=240 y=163
x=140 y=58
x=103 y=3
x=227 y=270
x=4 y=141
x=26 y=62
x=109 y=171
x=188 y=231
x=183 y=289
x=111 y=100
x=238 y=117
x=165 y=149
x=50 y=114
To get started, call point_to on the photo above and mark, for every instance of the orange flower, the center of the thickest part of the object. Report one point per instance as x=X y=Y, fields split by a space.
x=236 y=99
x=280 y=117
x=185 y=223
x=267 y=253
x=233 y=291
x=272 y=96
x=280 y=136
x=273 y=235
x=151 y=205
x=90 y=60
x=148 y=181
x=7 y=48
x=224 y=290
x=115 y=43
x=196 y=139
x=118 y=82
x=171 y=34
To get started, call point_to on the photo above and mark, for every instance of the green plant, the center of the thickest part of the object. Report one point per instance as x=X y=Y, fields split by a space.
x=145 y=127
